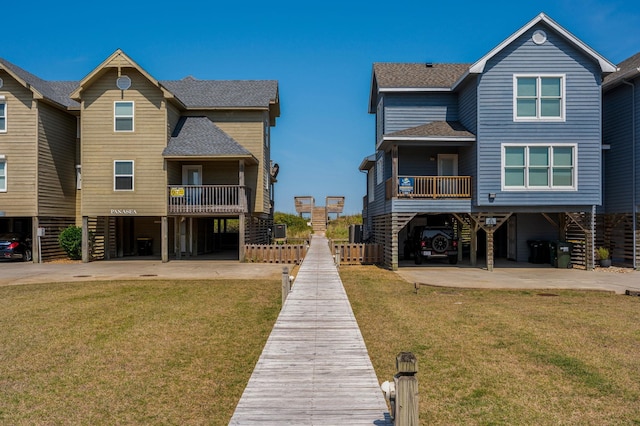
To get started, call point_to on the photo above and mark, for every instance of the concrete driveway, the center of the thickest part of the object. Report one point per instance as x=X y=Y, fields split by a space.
x=511 y=275
x=13 y=273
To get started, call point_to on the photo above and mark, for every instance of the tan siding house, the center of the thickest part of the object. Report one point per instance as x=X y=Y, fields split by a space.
x=38 y=157
x=173 y=168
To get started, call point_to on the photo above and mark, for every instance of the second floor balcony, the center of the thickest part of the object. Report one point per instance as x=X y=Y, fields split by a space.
x=434 y=187
x=208 y=199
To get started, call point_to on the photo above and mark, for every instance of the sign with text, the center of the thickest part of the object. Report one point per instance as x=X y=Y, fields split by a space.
x=405 y=185
x=177 y=191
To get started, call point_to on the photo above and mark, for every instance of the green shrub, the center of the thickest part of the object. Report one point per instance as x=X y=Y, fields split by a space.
x=338 y=229
x=296 y=226
x=70 y=240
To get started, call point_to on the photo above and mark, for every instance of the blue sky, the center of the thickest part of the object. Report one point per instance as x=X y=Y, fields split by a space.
x=320 y=52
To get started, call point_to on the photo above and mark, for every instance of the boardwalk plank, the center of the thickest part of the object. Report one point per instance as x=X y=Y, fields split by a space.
x=315 y=368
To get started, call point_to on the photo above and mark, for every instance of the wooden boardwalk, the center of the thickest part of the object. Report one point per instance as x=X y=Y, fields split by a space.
x=314 y=369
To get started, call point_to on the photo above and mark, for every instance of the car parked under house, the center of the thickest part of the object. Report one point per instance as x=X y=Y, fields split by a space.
x=510 y=146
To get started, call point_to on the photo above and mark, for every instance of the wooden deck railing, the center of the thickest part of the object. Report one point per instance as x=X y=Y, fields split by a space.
x=203 y=199
x=430 y=187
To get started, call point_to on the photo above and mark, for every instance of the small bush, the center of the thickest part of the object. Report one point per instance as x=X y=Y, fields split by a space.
x=296 y=226
x=70 y=240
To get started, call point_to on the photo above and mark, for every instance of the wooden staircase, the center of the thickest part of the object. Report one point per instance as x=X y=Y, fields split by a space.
x=319 y=219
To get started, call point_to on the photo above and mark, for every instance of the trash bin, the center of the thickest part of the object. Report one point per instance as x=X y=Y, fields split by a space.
x=553 y=253
x=145 y=246
x=563 y=255
x=538 y=251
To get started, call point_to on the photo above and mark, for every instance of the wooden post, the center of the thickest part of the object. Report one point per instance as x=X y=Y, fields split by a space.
x=85 y=239
x=489 y=250
x=406 y=382
x=164 y=233
x=286 y=285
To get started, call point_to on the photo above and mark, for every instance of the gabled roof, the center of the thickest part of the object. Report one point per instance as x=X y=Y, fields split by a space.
x=605 y=65
x=55 y=91
x=200 y=137
x=117 y=59
x=224 y=93
x=628 y=70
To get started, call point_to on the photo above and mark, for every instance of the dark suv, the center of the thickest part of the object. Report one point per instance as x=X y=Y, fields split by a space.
x=433 y=242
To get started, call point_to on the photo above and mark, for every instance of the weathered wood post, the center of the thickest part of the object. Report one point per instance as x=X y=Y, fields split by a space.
x=286 y=286
x=406 y=382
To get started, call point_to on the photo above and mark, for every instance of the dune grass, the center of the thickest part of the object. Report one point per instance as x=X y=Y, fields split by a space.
x=504 y=357
x=137 y=352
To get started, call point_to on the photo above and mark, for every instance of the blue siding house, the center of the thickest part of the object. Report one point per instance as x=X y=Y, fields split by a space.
x=509 y=148
x=621 y=133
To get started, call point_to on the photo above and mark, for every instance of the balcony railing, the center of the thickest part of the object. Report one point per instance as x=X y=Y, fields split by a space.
x=204 y=199
x=430 y=187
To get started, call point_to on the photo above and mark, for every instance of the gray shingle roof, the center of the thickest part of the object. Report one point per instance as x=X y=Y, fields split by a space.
x=443 y=129
x=398 y=75
x=199 y=136
x=626 y=69
x=223 y=93
x=56 y=91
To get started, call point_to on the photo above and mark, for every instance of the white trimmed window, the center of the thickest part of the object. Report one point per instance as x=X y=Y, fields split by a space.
x=539 y=167
x=3 y=114
x=123 y=116
x=123 y=175
x=3 y=174
x=538 y=97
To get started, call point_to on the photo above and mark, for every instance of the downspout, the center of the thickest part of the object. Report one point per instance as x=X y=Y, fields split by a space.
x=633 y=169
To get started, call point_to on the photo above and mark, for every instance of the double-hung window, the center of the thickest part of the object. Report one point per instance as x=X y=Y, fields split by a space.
x=539 y=98
x=539 y=167
x=123 y=175
x=123 y=116
x=3 y=174
x=3 y=115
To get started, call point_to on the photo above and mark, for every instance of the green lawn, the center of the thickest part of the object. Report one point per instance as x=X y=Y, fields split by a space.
x=505 y=357
x=138 y=352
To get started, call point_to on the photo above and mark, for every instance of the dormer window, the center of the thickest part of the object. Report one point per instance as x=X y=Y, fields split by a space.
x=538 y=98
x=123 y=116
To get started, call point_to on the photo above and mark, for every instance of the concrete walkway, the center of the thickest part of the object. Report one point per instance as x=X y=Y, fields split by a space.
x=314 y=369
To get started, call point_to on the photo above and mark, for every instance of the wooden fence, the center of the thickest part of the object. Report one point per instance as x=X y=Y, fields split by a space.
x=350 y=254
x=275 y=253
x=356 y=254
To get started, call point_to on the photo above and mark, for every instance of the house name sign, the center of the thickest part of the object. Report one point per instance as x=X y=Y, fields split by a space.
x=124 y=212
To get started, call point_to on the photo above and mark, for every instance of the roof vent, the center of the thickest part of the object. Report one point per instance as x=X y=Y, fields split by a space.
x=123 y=82
x=429 y=64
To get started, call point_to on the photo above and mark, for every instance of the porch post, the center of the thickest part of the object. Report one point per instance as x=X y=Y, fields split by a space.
x=176 y=237
x=85 y=239
x=241 y=240
x=244 y=202
x=394 y=174
x=489 y=233
x=459 y=226
x=164 y=230
x=473 y=250
x=394 y=241
x=35 y=240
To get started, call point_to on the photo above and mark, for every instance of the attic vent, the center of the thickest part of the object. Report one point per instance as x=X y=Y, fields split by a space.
x=1 y=83
x=123 y=82
x=539 y=37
